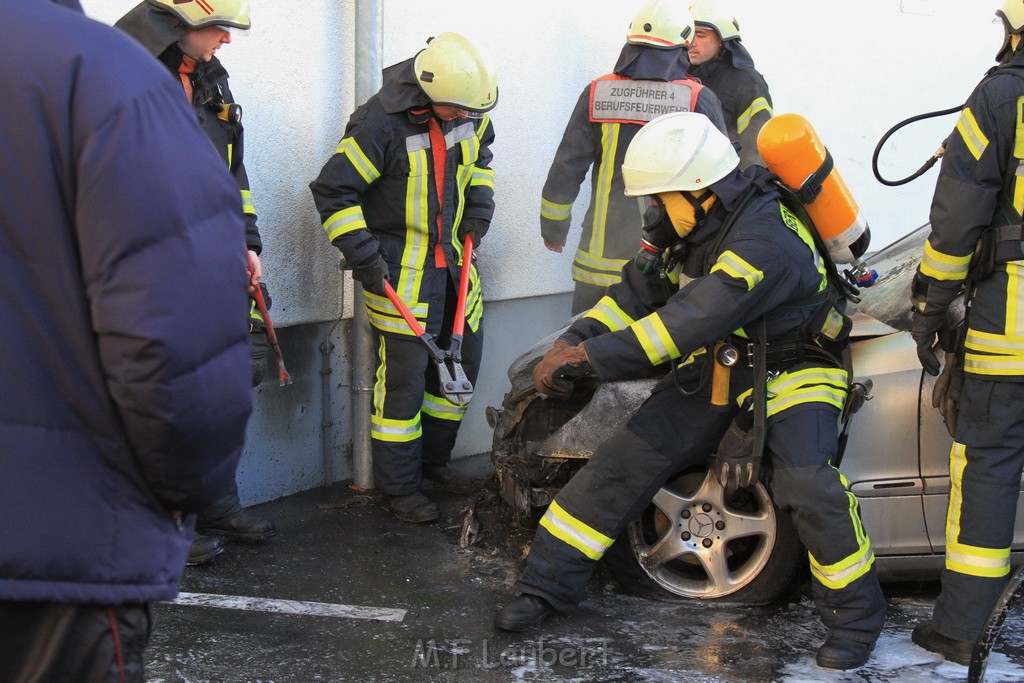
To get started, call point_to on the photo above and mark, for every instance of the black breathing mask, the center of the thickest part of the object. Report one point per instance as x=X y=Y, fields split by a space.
x=666 y=219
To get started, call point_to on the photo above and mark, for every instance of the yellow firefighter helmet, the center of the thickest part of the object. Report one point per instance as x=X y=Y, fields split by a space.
x=199 y=14
x=664 y=24
x=1012 y=14
x=455 y=73
x=716 y=16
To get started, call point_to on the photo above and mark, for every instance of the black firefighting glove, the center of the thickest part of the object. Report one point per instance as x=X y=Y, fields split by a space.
x=372 y=274
x=477 y=227
x=946 y=392
x=925 y=328
x=558 y=370
x=736 y=464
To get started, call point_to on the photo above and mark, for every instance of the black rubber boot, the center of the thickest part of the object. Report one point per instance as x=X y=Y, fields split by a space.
x=525 y=612
x=203 y=550
x=958 y=651
x=447 y=479
x=227 y=518
x=843 y=654
x=242 y=526
x=414 y=507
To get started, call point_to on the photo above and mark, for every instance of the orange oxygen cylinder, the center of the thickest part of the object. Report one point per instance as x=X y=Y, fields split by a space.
x=794 y=152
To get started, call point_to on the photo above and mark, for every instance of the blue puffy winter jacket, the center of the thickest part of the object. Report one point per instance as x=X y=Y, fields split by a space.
x=124 y=367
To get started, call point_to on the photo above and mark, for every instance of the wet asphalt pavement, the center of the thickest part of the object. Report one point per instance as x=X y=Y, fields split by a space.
x=346 y=592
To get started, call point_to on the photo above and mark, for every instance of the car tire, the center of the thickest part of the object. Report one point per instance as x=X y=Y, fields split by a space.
x=751 y=556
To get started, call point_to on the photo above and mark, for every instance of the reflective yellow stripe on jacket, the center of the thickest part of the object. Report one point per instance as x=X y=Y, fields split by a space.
x=590 y=265
x=758 y=105
x=608 y=313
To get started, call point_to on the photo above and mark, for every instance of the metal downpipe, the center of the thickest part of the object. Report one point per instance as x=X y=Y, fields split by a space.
x=369 y=42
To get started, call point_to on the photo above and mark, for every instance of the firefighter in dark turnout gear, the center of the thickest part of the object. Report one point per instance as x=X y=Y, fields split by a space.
x=649 y=80
x=722 y=63
x=756 y=275
x=976 y=209
x=410 y=179
x=185 y=37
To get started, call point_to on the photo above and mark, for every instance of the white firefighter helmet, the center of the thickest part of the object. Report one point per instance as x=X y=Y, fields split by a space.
x=199 y=14
x=453 y=72
x=664 y=24
x=680 y=151
x=715 y=15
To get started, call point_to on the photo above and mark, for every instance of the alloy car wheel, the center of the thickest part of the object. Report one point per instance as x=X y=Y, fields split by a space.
x=696 y=542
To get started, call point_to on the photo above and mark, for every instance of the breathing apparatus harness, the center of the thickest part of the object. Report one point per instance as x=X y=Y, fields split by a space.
x=821 y=339
x=661 y=248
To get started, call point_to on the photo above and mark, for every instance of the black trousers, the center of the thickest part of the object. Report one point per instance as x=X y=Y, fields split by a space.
x=985 y=469
x=46 y=642
x=412 y=424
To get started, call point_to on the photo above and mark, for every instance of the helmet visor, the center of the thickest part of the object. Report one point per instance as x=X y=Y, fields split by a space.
x=652 y=210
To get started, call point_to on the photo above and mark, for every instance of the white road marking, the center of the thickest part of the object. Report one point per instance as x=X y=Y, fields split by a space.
x=316 y=609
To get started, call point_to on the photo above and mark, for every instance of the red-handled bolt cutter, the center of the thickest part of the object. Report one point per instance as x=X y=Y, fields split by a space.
x=455 y=386
x=282 y=374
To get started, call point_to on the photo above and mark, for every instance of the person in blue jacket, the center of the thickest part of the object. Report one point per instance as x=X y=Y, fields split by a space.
x=125 y=366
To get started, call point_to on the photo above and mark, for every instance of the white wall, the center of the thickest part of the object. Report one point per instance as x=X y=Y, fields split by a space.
x=853 y=69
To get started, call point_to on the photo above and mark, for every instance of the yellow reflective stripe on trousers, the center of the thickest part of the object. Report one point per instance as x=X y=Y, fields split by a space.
x=382 y=428
x=734 y=266
x=941 y=266
x=355 y=155
x=957 y=463
x=553 y=211
x=655 y=339
x=247 y=205
x=395 y=431
x=846 y=571
x=850 y=568
x=811 y=385
x=575 y=533
x=603 y=186
x=758 y=105
x=442 y=408
x=344 y=221
x=976 y=561
x=608 y=313
x=970 y=131
x=962 y=558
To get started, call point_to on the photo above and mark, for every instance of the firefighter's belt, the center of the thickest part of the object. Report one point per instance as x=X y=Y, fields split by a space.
x=782 y=354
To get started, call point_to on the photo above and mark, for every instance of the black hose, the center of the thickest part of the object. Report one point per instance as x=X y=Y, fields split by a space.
x=927 y=165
